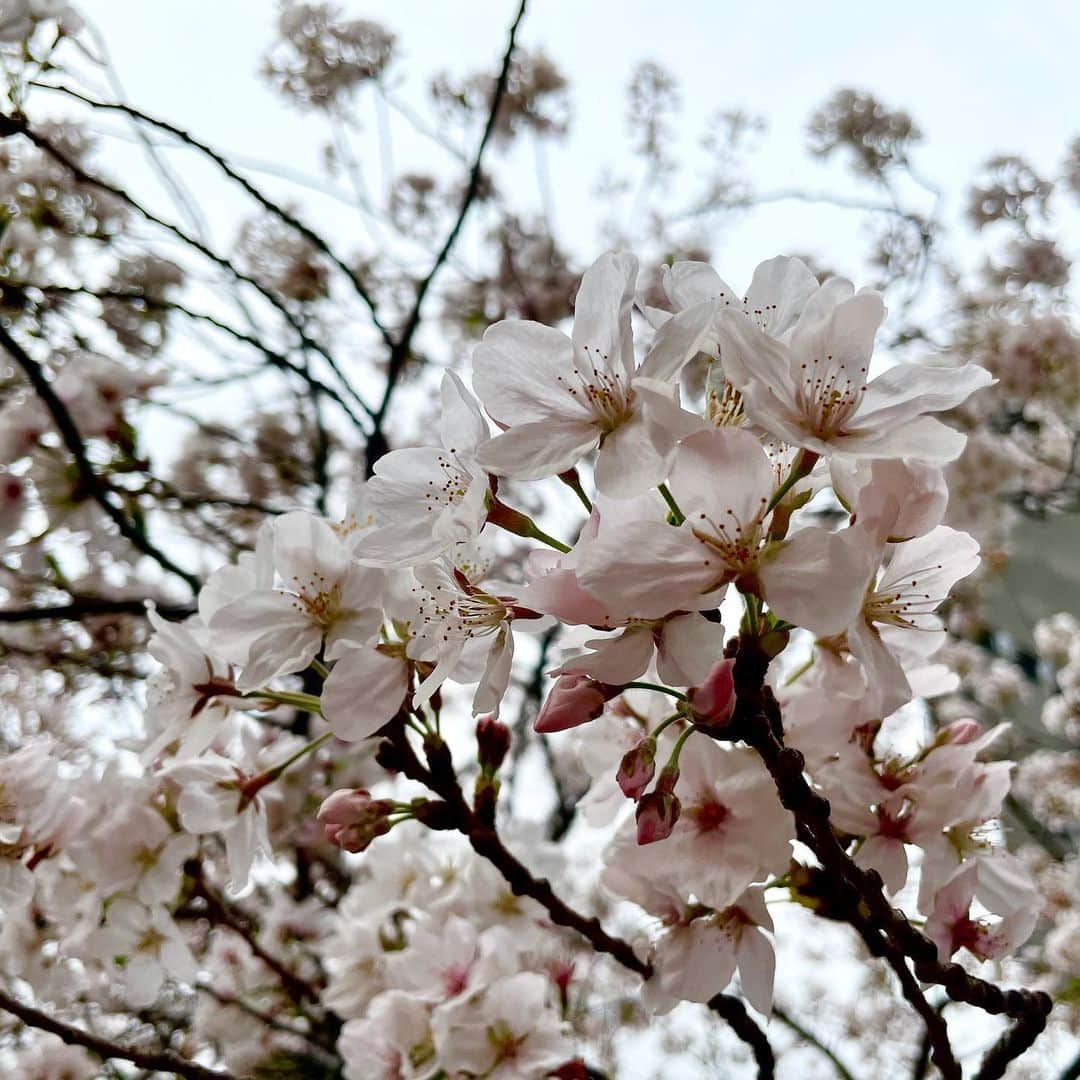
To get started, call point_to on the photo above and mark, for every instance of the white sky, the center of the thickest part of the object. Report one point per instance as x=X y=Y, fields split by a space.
x=977 y=78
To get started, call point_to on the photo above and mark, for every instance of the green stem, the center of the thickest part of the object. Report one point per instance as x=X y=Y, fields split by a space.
x=536 y=533
x=678 y=516
x=320 y=668
x=308 y=702
x=676 y=750
x=573 y=482
x=678 y=694
x=800 y=671
x=801 y=467
x=665 y=724
x=276 y=770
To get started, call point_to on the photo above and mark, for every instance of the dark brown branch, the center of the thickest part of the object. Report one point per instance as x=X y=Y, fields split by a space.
x=79 y=607
x=93 y=484
x=396 y=754
x=266 y=203
x=399 y=354
x=157 y=1061
x=859 y=894
x=734 y=1012
x=223 y=914
x=439 y=776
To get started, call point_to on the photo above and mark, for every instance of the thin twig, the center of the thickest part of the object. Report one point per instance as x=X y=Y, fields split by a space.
x=399 y=354
x=262 y=199
x=808 y=1036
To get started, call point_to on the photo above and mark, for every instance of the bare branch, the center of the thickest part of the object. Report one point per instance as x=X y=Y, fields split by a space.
x=400 y=353
x=280 y=212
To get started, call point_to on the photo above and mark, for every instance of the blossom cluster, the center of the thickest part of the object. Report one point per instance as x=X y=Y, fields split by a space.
x=796 y=500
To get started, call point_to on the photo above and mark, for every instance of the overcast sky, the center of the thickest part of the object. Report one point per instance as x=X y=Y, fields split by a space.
x=977 y=78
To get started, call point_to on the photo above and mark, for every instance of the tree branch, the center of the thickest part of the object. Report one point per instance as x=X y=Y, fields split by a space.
x=12 y=125
x=396 y=754
x=401 y=350
x=158 y=1061
x=808 y=1036
x=265 y=202
x=95 y=487
x=859 y=894
x=79 y=607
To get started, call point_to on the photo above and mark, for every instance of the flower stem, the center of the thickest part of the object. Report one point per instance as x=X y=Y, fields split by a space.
x=678 y=517
x=571 y=479
x=678 y=694
x=276 y=770
x=514 y=521
x=665 y=724
x=308 y=702
x=255 y=784
x=801 y=467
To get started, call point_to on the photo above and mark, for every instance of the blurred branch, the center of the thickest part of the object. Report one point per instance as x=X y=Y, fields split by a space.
x=152 y=303
x=17 y=125
x=789 y=1021
x=157 y=1061
x=94 y=485
x=263 y=200
x=82 y=606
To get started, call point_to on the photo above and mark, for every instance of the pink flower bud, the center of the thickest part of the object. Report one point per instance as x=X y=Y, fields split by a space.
x=657 y=814
x=352 y=819
x=960 y=732
x=713 y=701
x=344 y=806
x=573 y=700
x=637 y=768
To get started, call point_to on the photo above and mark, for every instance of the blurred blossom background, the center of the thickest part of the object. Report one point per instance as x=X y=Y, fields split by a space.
x=931 y=151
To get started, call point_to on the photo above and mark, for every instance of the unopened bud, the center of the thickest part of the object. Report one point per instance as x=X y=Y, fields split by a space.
x=713 y=701
x=657 y=814
x=960 y=732
x=352 y=818
x=573 y=700
x=637 y=768
x=492 y=743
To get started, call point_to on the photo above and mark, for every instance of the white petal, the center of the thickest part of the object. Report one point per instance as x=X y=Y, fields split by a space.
x=633 y=458
x=648 y=569
x=517 y=370
x=615 y=660
x=757 y=969
x=363 y=691
x=818 y=579
x=602 y=313
x=689 y=647
x=780 y=290
x=533 y=451
x=461 y=425
x=679 y=340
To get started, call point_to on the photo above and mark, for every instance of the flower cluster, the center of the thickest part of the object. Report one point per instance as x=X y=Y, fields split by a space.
x=702 y=505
